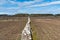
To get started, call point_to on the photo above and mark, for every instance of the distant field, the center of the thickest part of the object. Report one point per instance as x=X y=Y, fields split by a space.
x=45 y=28
x=11 y=28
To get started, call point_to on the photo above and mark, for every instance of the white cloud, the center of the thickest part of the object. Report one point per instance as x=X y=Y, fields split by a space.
x=45 y=4
x=12 y=9
x=3 y=13
x=26 y=3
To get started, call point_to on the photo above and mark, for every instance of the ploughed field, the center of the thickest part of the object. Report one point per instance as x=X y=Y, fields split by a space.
x=11 y=28
x=45 y=28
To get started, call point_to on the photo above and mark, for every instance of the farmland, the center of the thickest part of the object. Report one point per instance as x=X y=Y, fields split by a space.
x=45 y=28
x=11 y=28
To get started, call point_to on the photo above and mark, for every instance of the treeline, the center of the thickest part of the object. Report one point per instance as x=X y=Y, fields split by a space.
x=25 y=15
x=37 y=15
x=16 y=15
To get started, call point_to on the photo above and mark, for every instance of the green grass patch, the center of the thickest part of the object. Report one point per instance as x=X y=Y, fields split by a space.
x=34 y=34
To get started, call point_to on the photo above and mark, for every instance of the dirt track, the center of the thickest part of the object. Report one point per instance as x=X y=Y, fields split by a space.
x=46 y=29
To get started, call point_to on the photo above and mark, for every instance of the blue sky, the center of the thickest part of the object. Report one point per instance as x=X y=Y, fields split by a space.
x=29 y=6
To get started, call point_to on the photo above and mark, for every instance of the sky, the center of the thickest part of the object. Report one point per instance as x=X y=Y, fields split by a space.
x=30 y=6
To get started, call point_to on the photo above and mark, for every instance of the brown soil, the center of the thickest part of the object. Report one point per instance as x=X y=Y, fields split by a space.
x=46 y=29
x=9 y=30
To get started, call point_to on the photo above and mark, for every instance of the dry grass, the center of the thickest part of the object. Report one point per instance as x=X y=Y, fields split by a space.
x=46 y=29
x=10 y=29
